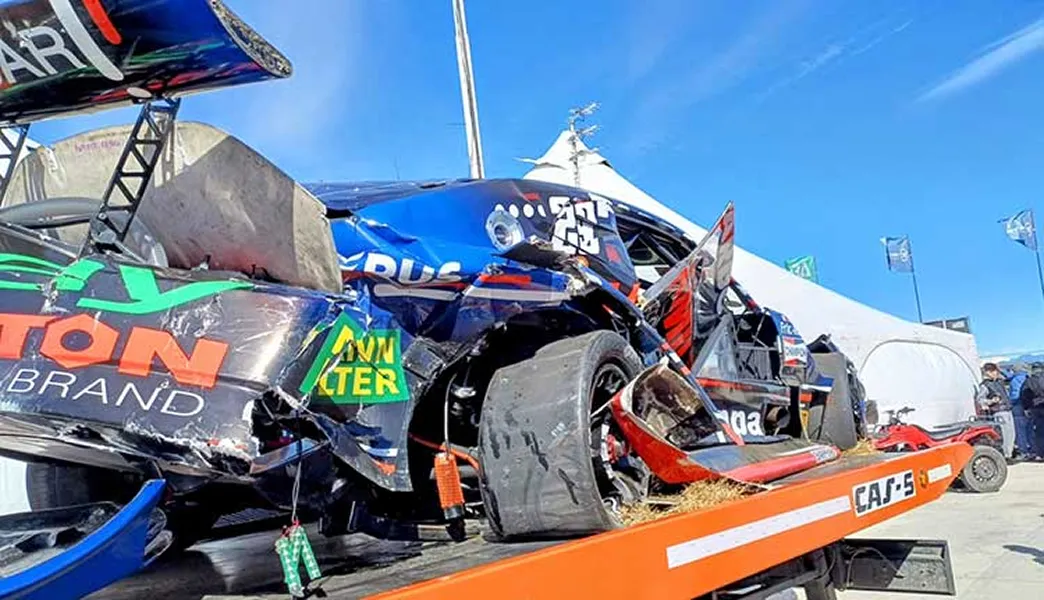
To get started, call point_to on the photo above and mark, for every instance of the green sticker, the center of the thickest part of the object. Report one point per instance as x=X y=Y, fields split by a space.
x=369 y=370
x=30 y=265
x=140 y=284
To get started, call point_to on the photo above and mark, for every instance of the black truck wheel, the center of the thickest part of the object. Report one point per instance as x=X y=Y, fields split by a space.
x=986 y=470
x=550 y=459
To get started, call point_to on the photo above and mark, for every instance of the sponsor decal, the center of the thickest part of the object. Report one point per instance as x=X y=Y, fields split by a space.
x=875 y=495
x=128 y=395
x=82 y=341
x=140 y=284
x=356 y=366
x=746 y=423
x=53 y=40
x=405 y=271
x=576 y=222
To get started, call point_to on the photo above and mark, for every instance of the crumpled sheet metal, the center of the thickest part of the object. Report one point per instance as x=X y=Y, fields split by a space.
x=660 y=406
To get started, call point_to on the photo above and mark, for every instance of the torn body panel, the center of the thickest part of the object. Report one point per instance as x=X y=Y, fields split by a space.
x=178 y=365
x=671 y=429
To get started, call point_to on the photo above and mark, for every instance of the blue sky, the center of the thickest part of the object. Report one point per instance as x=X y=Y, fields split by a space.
x=830 y=124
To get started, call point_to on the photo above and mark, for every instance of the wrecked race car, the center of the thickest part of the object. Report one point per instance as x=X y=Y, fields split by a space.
x=379 y=356
x=461 y=328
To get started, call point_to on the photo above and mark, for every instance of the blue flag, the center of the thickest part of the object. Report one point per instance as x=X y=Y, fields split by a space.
x=900 y=258
x=1020 y=228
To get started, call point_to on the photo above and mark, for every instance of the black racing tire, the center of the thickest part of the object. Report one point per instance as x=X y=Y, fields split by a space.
x=986 y=470
x=56 y=485
x=539 y=476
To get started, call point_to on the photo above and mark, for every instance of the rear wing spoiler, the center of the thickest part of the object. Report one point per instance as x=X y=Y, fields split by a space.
x=65 y=57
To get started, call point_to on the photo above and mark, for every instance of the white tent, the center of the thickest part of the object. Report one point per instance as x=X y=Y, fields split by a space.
x=900 y=363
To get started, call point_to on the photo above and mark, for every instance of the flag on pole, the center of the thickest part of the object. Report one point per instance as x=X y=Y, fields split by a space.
x=900 y=258
x=1020 y=229
x=804 y=267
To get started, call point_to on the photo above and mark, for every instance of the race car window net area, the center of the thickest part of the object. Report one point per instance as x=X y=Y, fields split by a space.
x=717 y=358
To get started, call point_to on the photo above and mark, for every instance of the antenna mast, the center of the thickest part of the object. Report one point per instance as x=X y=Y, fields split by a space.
x=467 y=91
x=577 y=116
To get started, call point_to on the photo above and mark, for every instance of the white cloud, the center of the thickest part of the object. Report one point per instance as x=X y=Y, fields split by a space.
x=1000 y=55
x=899 y=29
x=834 y=53
x=738 y=60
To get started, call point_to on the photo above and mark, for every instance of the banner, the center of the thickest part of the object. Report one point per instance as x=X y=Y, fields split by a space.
x=804 y=267
x=1020 y=228
x=900 y=258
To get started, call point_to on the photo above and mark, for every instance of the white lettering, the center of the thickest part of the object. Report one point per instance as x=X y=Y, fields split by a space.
x=11 y=61
x=169 y=408
x=131 y=388
x=43 y=54
x=754 y=424
x=381 y=265
x=52 y=376
x=90 y=391
x=738 y=421
x=26 y=377
x=450 y=271
x=406 y=273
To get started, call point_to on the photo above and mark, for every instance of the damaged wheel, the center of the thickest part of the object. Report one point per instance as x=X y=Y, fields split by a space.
x=553 y=464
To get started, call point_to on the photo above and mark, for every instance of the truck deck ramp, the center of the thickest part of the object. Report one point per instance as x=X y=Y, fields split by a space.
x=683 y=556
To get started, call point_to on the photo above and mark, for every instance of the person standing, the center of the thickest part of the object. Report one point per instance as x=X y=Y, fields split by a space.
x=994 y=400
x=1032 y=399
x=1024 y=445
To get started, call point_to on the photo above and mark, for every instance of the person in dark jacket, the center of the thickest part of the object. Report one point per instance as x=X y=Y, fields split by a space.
x=1032 y=399
x=1024 y=446
x=993 y=400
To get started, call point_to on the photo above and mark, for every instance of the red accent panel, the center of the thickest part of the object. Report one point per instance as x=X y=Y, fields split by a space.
x=102 y=22
x=776 y=468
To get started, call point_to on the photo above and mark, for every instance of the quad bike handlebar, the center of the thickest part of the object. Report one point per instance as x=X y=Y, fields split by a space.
x=895 y=416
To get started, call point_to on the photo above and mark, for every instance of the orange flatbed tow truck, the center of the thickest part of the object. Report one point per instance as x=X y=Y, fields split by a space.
x=794 y=535
x=790 y=536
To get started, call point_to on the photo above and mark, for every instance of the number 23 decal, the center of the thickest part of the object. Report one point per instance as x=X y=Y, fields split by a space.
x=575 y=223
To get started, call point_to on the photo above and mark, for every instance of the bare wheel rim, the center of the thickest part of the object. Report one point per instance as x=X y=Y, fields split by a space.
x=615 y=486
x=984 y=469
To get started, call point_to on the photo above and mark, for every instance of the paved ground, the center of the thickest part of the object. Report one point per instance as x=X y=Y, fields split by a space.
x=996 y=540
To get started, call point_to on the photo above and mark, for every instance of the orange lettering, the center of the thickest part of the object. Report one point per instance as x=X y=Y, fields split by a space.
x=103 y=342
x=14 y=329
x=145 y=345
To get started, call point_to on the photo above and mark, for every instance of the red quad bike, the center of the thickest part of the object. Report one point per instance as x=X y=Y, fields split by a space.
x=985 y=472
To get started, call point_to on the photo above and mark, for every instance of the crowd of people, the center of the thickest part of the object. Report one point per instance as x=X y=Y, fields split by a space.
x=1015 y=399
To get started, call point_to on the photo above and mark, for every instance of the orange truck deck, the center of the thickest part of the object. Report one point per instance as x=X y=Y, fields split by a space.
x=683 y=556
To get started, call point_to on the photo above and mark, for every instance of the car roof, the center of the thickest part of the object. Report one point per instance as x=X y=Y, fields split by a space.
x=341 y=196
